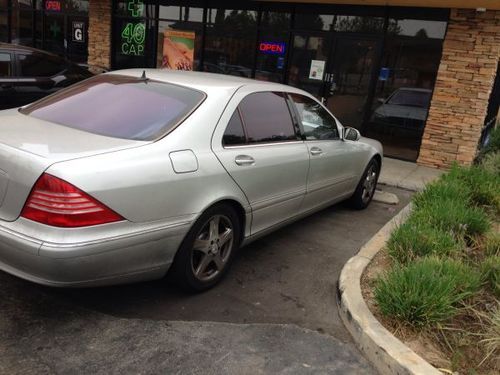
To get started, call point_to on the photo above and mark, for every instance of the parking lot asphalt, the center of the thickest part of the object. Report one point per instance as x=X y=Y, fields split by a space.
x=275 y=312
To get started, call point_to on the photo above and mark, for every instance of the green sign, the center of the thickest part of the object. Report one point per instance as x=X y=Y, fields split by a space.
x=133 y=34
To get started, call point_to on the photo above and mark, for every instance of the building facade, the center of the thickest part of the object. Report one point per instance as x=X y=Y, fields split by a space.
x=419 y=79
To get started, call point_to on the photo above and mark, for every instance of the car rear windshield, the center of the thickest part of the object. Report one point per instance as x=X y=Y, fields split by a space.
x=412 y=98
x=119 y=106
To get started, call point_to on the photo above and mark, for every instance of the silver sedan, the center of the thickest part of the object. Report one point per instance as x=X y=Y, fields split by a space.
x=132 y=174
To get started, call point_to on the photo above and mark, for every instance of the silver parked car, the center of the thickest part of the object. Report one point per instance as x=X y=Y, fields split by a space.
x=126 y=175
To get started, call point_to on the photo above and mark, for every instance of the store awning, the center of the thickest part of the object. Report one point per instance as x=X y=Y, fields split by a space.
x=470 y=4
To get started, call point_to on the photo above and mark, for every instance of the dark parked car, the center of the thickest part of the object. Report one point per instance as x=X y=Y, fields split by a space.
x=28 y=74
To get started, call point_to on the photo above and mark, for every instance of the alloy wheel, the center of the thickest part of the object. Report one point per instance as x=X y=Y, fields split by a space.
x=212 y=248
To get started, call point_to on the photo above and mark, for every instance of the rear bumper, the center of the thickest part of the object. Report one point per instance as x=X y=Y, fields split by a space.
x=141 y=255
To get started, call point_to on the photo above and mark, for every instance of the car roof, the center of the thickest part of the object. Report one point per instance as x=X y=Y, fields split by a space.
x=18 y=47
x=203 y=80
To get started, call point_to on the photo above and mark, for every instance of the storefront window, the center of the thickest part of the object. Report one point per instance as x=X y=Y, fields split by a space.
x=358 y=24
x=314 y=21
x=275 y=20
x=180 y=37
x=308 y=64
x=181 y=13
x=271 y=56
x=404 y=86
x=418 y=28
x=179 y=45
x=136 y=8
x=230 y=35
x=135 y=39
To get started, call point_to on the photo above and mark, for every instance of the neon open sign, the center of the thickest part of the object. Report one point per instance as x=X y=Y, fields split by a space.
x=53 y=5
x=272 y=48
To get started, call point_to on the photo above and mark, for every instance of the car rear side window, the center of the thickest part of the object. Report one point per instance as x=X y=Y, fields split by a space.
x=5 y=65
x=40 y=65
x=119 y=106
x=266 y=118
x=317 y=123
x=234 y=134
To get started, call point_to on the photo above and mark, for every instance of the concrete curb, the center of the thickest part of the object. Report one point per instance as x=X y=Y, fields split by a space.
x=386 y=353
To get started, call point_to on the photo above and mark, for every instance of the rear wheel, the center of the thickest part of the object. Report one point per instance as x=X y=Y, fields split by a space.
x=208 y=249
x=366 y=187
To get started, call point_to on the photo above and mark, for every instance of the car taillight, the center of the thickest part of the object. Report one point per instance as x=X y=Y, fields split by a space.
x=55 y=202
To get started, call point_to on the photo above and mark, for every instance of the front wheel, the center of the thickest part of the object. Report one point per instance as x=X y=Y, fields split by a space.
x=366 y=187
x=207 y=251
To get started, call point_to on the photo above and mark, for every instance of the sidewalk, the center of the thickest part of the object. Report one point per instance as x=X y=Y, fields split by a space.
x=407 y=175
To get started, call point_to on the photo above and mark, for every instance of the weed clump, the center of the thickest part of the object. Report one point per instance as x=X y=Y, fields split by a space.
x=425 y=292
x=412 y=240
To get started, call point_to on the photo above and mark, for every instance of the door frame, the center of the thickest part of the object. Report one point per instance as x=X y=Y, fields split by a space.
x=375 y=68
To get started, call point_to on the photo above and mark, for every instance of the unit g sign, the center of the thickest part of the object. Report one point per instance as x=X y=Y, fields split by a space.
x=272 y=48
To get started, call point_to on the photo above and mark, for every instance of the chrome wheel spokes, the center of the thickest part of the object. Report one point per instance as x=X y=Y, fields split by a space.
x=369 y=184
x=212 y=248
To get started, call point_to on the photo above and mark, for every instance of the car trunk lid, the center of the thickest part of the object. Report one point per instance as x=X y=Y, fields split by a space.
x=28 y=146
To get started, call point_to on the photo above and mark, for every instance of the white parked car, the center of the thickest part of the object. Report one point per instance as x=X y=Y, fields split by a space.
x=126 y=175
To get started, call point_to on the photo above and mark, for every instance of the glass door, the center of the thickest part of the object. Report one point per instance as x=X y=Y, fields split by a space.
x=349 y=79
x=308 y=61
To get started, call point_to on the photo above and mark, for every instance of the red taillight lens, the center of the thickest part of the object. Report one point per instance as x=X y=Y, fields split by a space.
x=58 y=203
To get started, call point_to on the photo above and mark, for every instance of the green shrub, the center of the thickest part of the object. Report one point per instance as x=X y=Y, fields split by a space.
x=483 y=185
x=490 y=273
x=494 y=143
x=451 y=189
x=425 y=292
x=411 y=240
x=491 y=163
x=492 y=244
x=452 y=216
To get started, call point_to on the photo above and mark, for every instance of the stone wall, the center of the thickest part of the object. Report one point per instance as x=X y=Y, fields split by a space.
x=471 y=51
x=99 y=34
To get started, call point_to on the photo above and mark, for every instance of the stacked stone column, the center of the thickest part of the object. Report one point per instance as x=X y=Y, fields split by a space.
x=99 y=47
x=471 y=51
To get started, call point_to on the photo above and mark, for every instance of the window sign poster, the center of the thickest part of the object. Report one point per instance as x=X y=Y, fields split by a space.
x=317 y=69
x=178 y=49
x=384 y=74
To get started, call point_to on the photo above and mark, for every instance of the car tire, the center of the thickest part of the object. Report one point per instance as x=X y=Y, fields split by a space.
x=207 y=251
x=365 y=190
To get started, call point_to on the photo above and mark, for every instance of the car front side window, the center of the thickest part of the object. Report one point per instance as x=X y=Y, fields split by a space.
x=317 y=123
x=5 y=65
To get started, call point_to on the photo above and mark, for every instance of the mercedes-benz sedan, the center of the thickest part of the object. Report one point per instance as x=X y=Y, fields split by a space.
x=130 y=174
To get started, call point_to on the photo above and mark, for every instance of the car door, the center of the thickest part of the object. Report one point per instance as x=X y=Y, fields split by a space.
x=7 y=81
x=334 y=162
x=260 y=147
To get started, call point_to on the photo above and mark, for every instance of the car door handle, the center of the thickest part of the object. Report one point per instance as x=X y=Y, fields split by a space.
x=244 y=160
x=315 y=151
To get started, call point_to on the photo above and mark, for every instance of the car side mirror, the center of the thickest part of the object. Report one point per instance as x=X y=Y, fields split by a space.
x=351 y=134
x=380 y=100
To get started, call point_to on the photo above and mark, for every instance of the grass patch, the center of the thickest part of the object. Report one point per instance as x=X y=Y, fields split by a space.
x=425 y=292
x=490 y=273
x=480 y=183
x=410 y=241
x=491 y=337
x=443 y=190
x=491 y=244
x=491 y=163
x=452 y=216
